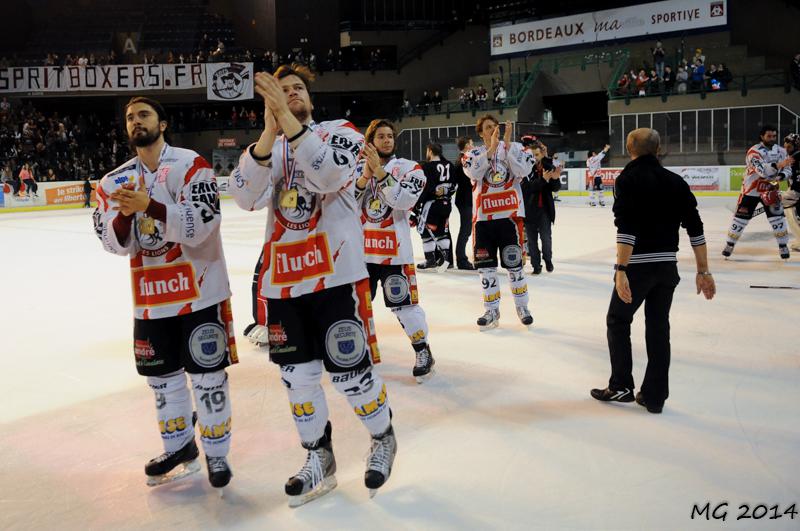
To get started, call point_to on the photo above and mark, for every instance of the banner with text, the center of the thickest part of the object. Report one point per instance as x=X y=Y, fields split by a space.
x=700 y=178
x=105 y=78
x=610 y=24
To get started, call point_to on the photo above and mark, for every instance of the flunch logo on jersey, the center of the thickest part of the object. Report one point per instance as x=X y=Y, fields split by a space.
x=162 y=285
x=298 y=217
x=379 y=242
x=500 y=202
x=295 y=262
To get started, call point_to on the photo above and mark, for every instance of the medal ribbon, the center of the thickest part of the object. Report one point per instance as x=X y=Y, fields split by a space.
x=288 y=169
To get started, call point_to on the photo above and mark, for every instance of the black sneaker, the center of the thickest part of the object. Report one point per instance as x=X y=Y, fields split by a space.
x=537 y=270
x=650 y=407
x=610 y=395
x=549 y=266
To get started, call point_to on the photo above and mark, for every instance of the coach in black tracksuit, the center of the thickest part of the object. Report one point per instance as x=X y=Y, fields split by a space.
x=650 y=205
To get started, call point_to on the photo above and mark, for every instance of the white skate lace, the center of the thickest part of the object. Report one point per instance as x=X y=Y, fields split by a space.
x=379 y=456
x=217 y=464
x=163 y=457
x=423 y=356
x=312 y=469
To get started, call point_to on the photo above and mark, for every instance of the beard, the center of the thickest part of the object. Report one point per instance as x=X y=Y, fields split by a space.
x=385 y=154
x=148 y=139
x=768 y=144
x=302 y=114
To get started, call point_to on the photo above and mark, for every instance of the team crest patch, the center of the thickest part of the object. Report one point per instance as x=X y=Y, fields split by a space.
x=346 y=343
x=512 y=255
x=396 y=288
x=207 y=345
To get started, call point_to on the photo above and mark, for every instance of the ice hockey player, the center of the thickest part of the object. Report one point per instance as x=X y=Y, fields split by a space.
x=161 y=208
x=497 y=168
x=387 y=188
x=767 y=163
x=315 y=280
x=434 y=209
x=594 y=162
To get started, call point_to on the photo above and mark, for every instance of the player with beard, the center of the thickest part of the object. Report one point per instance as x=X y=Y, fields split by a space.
x=161 y=208
x=387 y=189
x=314 y=275
x=497 y=169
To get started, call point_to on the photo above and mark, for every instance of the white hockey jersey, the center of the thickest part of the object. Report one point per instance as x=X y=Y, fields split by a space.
x=385 y=209
x=180 y=268
x=496 y=183
x=595 y=163
x=762 y=169
x=318 y=243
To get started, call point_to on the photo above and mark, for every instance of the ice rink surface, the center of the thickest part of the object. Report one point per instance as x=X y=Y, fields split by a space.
x=505 y=436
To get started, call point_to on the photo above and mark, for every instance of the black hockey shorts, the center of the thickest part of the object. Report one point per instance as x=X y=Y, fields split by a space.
x=747 y=205
x=333 y=325
x=504 y=235
x=399 y=283
x=199 y=342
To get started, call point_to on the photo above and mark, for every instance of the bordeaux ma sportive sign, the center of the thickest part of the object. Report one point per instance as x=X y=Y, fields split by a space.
x=610 y=24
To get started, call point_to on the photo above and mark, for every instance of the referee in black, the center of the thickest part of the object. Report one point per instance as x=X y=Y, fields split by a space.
x=650 y=205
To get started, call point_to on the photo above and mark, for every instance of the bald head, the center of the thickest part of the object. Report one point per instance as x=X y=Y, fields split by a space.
x=643 y=141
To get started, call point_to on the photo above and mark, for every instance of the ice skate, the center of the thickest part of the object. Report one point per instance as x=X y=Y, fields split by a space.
x=380 y=460
x=316 y=478
x=490 y=319
x=602 y=204
x=423 y=368
x=524 y=315
x=727 y=251
x=784 y=251
x=172 y=466
x=592 y=204
x=219 y=473
x=257 y=334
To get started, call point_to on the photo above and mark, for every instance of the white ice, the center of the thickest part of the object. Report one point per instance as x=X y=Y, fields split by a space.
x=505 y=436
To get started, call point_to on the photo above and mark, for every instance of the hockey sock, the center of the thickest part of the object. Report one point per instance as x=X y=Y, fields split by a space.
x=778 y=224
x=366 y=393
x=737 y=227
x=307 y=399
x=491 y=288
x=519 y=286
x=412 y=319
x=173 y=409
x=213 y=402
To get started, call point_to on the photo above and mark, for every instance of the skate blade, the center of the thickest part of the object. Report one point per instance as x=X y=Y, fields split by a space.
x=442 y=268
x=324 y=487
x=372 y=493
x=489 y=326
x=179 y=472
x=425 y=377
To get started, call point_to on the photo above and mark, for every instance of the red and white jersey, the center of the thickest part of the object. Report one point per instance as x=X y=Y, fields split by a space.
x=762 y=170
x=180 y=268
x=496 y=182
x=318 y=243
x=595 y=163
x=385 y=209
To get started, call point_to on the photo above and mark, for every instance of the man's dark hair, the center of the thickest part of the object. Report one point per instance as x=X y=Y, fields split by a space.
x=436 y=149
x=462 y=142
x=160 y=112
x=303 y=72
x=766 y=129
x=373 y=127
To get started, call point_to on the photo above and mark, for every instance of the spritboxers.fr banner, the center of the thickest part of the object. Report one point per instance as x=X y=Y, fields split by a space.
x=610 y=24
x=227 y=80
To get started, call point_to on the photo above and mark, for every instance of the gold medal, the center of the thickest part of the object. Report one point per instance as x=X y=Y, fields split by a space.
x=288 y=198
x=375 y=204
x=147 y=225
x=497 y=177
